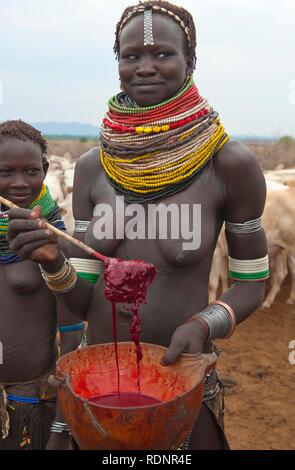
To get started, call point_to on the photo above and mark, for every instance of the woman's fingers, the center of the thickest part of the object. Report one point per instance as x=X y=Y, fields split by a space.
x=23 y=220
x=19 y=213
x=27 y=238
x=176 y=348
x=30 y=251
x=22 y=225
x=189 y=338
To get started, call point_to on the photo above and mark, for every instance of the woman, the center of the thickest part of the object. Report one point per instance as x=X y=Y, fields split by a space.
x=162 y=147
x=29 y=314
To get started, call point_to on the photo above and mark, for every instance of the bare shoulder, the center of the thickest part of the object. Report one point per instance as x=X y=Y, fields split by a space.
x=86 y=174
x=88 y=163
x=235 y=160
x=243 y=180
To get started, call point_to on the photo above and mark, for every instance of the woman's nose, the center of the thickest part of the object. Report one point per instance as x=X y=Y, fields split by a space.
x=146 y=67
x=19 y=181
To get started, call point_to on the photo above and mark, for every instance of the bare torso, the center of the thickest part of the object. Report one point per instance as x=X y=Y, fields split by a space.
x=181 y=285
x=27 y=323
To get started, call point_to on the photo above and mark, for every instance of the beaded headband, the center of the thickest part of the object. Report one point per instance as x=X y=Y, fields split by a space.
x=148 y=27
x=147 y=10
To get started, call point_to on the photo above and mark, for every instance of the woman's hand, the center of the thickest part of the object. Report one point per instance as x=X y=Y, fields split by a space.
x=187 y=338
x=29 y=238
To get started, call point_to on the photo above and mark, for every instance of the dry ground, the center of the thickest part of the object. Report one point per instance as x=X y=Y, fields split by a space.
x=259 y=380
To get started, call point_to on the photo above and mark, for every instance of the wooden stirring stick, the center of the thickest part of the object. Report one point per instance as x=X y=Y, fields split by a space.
x=61 y=234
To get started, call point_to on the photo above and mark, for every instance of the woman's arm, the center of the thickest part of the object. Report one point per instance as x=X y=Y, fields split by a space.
x=31 y=240
x=245 y=193
x=245 y=200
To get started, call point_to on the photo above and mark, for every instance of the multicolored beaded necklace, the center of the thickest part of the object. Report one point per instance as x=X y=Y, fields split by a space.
x=50 y=212
x=151 y=152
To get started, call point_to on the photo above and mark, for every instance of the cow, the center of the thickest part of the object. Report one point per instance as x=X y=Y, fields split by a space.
x=53 y=181
x=278 y=221
x=66 y=211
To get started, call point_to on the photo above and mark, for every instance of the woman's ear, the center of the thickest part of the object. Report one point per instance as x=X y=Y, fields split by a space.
x=121 y=86
x=191 y=65
x=45 y=165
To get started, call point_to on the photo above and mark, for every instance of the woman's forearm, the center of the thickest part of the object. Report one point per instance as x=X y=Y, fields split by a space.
x=78 y=299
x=72 y=291
x=244 y=298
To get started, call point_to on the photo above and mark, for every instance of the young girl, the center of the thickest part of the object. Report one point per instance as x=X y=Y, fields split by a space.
x=29 y=313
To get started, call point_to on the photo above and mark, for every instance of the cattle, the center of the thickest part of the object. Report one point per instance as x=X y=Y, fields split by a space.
x=278 y=221
x=59 y=179
x=69 y=177
x=66 y=211
x=285 y=177
x=54 y=184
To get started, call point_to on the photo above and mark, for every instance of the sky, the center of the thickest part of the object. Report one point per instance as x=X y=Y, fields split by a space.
x=57 y=61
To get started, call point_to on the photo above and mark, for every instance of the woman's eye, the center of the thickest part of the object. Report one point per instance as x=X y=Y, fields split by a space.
x=162 y=55
x=5 y=172
x=32 y=171
x=129 y=57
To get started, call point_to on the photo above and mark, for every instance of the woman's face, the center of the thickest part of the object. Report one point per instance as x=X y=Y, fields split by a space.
x=152 y=74
x=21 y=171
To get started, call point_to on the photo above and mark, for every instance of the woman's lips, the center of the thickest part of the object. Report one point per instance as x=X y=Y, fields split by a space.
x=19 y=197
x=147 y=86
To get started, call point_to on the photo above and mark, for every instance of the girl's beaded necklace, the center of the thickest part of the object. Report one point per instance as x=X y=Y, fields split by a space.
x=50 y=212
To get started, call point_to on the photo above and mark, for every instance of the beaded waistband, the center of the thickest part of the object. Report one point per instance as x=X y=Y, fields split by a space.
x=28 y=400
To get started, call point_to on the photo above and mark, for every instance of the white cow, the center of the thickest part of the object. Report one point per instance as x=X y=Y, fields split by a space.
x=66 y=211
x=278 y=221
x=69 y=177
x=54 y=184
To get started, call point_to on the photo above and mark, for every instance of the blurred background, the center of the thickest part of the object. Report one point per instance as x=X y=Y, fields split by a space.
x=57 y=62
x=57 y=71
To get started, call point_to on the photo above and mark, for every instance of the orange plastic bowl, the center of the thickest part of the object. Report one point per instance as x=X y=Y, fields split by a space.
x=91 y=371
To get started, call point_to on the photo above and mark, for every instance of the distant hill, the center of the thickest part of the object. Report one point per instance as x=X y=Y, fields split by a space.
x=74 y=129
x=80 y=129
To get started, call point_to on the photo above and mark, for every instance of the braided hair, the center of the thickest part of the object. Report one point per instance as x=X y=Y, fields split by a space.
x=186 y=22
x=23 y=131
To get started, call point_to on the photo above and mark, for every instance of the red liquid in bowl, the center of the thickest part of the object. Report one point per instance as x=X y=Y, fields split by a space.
x=124 y=400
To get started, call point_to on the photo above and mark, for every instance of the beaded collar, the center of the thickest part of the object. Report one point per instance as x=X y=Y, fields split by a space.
x=50 y=212
x=152 y=152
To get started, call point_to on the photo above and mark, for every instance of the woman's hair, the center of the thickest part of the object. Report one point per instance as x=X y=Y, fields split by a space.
x=22 y=131
x=180 y=12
